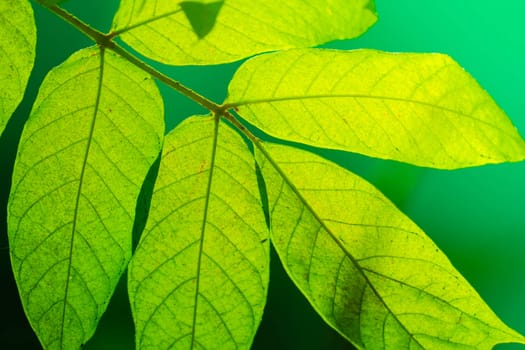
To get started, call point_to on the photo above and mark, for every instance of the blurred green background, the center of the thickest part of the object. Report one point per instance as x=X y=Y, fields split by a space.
x=477 y=216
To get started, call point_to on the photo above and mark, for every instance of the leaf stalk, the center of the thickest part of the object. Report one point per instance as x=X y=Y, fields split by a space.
x=106 y=41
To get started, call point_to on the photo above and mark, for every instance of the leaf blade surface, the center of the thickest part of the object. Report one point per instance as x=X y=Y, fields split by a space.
x=95 y=129
x=369 y=271
x=199 y=276
x=18 y=46
x=422 y=109
x=161 y=31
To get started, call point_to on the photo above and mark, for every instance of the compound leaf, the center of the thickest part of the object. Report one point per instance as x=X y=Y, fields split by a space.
x=161 y=30
x=94 y=131
x=368 y=270
x=17 y=48
x=422 y=109
x=199 y=277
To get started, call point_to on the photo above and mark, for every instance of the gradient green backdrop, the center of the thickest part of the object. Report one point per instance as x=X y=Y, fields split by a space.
x=477 y=216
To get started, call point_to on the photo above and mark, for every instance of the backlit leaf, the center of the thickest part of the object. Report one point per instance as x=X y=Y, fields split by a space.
x=17 y=54
x=160 y=30
x=202 y=16
x=95 y=129
x=368 y=270
x=199 y=277
x=422 y=109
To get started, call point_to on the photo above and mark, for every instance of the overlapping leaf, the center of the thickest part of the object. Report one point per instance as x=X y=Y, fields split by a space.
x=368 y=270
x=199 y=276
x=95 y=129
x=422 y=109
x=17 y=54
x=160 y=30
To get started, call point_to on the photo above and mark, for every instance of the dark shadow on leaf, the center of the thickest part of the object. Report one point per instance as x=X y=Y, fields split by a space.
x=144 y=201
x=263 y=194
x=202 y=17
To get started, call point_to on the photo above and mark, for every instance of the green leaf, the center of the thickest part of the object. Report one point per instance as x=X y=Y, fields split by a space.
x=369 y=271
x=202 y=16
x=95 y=129
x=17 y=48
x=199 y=277
x=422 y=109
x=161 y=30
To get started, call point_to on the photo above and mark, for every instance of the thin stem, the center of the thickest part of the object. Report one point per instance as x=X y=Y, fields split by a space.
x=186 y=91
x=95 y=35
x=254 y=139
x=235 y=122
x=106 y=41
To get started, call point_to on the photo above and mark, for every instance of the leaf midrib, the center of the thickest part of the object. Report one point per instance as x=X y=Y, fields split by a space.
x=472 y=317
x=362 y=270
x=145 y=22
x=203 y=227
x=358 y=96
x=79 y=193
x=332 y=235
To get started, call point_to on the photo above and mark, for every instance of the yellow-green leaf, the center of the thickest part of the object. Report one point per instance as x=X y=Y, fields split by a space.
x=368 y=270
x=160 y=29
x=422 y=109
x=94 y=131
x=17 y=54
x=199 y=277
